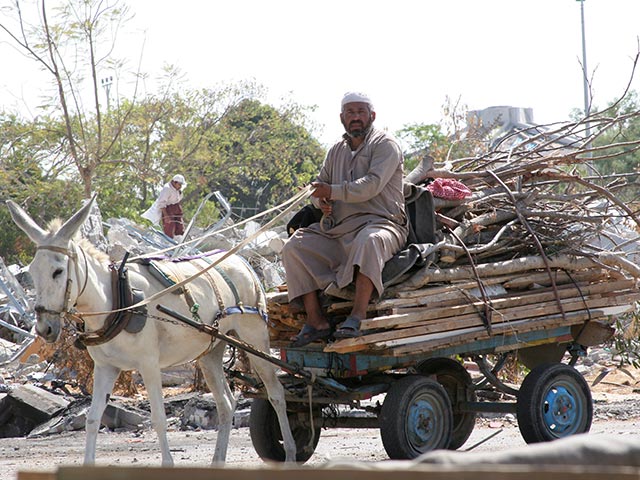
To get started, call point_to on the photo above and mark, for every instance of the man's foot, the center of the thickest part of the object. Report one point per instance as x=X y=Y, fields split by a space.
x=350 y=328
x=309 y=334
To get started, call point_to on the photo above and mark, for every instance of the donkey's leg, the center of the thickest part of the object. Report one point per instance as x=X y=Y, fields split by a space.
x=253 y=330
x=153 y=382
x=213 y=371
x=267 y=373
x=104 y=376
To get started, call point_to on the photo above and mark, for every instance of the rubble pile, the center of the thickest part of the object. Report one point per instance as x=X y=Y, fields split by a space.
x=525 y=242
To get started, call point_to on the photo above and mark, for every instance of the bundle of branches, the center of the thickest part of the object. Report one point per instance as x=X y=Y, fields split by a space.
x=530 y=197
x=558 y=239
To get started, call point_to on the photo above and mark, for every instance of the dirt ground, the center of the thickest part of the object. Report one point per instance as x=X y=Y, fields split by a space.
x=616 y=410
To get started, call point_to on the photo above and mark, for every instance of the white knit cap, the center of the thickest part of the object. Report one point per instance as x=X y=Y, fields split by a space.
x=351 y=97
x=180 y=179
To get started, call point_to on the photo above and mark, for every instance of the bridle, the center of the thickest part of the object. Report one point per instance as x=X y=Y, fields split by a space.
x=72 y=256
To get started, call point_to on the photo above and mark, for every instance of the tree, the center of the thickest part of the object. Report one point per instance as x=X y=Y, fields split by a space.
x=74 y=46
x=221 y=138
x=626 y=159
x=27 y=178
x=260 y=156
x=164 y=134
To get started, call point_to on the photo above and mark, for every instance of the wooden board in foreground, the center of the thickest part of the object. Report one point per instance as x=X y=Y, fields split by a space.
x=399 y=470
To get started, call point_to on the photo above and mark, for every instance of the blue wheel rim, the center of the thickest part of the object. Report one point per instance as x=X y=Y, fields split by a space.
x=425 y=422
x=562 y=411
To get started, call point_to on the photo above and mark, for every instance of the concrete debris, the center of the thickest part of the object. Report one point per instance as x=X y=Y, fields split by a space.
x=26 y=406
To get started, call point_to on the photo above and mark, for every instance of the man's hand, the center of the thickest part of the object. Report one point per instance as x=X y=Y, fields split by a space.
x=326 y=206
x=321 y=190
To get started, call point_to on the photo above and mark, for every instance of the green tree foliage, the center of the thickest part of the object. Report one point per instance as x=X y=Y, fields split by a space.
x=224 y=139
x=259 y=156
x=624 y=159
x=30 y=174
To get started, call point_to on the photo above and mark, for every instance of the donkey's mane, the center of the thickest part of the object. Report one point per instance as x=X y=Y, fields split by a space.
x=54 y=226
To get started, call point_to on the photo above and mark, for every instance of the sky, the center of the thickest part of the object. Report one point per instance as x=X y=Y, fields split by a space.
x=409 y=56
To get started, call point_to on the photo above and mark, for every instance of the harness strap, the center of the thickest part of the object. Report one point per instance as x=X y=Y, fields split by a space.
x=180 y=277
x=118 y=320
x=242 y=309
x=232 y=286
x=224 y=276
x=72 y=256
x=212 y=282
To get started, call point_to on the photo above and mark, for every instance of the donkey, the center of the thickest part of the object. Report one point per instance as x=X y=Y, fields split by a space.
x=73 y=279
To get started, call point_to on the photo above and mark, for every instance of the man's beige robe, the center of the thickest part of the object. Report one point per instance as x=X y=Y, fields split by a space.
x=369 y=221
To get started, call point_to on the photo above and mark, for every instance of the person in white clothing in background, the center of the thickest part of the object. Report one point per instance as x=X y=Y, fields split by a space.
x=168 y=209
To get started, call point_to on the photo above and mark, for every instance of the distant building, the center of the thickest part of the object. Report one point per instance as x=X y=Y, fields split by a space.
x=511 y=127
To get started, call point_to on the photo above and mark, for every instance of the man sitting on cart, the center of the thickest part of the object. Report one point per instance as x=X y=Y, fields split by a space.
x=359 y=191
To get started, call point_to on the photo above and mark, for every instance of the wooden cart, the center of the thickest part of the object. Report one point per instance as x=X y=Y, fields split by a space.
x=414 y=350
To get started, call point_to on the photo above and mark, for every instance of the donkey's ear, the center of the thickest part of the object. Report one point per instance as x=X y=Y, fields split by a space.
x=71 y=226
x=26 y=223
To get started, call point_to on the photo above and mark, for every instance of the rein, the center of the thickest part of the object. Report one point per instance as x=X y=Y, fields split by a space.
x=294 y=201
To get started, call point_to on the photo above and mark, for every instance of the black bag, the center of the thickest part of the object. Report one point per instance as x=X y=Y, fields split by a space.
x=420 y=209
x=306 y=216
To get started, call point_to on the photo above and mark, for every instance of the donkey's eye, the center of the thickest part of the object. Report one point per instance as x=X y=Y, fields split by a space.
x=58 y=271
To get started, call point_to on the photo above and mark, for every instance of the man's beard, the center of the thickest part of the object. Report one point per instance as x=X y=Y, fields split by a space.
x=359 y=132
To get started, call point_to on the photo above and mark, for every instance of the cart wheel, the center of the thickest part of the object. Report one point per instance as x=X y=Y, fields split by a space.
x=459 y=386
x=554 y=401
x=415 y=418
x=267 y=438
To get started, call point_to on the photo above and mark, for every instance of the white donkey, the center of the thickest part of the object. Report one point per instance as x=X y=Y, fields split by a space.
x=71 y=276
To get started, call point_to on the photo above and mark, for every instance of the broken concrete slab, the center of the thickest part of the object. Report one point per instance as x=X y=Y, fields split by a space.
x=26 y=406
x=120 y=416
x=117 y=416
x=37 y=402
x=73 y=418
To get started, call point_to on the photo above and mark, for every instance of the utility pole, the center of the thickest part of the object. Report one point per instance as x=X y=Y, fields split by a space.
x=587 y=106
x=584 y=61
x=106 y=84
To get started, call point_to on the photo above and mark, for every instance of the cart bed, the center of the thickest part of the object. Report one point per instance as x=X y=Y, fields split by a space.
x=513 y=312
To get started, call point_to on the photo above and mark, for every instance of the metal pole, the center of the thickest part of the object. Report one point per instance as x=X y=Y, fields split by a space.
x=584 y=64
x=106 y=84
x=587 y=106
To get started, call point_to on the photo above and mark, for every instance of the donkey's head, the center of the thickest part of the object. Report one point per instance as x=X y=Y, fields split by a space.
x=54 y=267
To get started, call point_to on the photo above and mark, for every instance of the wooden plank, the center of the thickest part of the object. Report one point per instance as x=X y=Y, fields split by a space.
x=528 y=313
x=416 y=314
x=37 y=476
x=399 y=470
x=415 y=345
x=511 y=282
x=520 y=326
x=511 y=314
x=456 y=290
x=559 y=277
x=437 y=339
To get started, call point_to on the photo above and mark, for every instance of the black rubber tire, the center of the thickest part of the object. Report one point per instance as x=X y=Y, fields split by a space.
x=554 y=401
x=415 y=418
x=267 y=438
x=459 y=386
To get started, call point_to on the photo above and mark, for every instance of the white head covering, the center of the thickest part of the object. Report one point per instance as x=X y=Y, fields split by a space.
x=180 y=179
x=351 y=97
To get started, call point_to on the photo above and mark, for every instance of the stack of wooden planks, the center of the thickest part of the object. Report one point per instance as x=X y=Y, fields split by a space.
x=448 y=313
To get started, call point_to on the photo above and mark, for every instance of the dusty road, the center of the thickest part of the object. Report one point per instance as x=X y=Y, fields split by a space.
x=616 y=410
x=194 y=449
